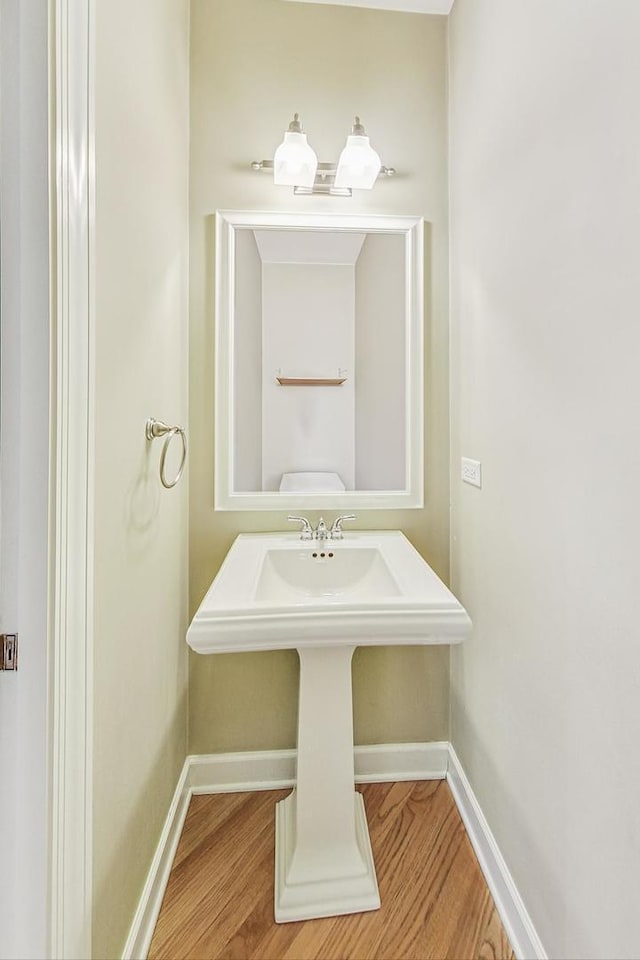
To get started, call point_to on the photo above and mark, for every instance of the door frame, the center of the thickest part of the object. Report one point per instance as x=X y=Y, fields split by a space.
x=72 y=469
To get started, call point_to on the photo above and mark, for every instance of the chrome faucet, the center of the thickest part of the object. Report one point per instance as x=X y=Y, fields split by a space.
x=322 y=532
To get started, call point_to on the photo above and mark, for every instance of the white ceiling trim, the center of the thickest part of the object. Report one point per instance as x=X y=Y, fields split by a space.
x=404 y=6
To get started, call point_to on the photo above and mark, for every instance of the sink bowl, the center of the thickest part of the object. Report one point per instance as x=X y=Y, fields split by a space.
x=275 y=591
x=333 y=575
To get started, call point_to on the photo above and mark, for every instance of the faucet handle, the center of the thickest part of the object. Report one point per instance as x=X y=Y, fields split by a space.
x=336 y=529
x=307 y=530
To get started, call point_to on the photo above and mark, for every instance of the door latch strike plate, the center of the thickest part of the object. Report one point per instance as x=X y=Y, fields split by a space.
x=8 y=651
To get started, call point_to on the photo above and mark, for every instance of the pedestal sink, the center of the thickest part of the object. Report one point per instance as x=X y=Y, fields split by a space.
x=324 y=598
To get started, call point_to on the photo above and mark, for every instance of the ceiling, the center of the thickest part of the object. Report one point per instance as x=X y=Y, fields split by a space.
x=406 y=6
x=309 y=246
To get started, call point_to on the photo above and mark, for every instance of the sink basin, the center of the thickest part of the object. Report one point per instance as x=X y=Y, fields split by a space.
x=333 y=575
x=275 y=591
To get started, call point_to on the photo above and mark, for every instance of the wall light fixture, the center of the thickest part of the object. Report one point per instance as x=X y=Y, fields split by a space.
x=296 y=165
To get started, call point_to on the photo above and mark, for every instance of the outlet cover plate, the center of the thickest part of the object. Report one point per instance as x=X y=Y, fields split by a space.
x=472 y=472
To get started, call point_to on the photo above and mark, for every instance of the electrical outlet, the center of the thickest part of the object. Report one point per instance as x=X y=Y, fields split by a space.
x=472 y=472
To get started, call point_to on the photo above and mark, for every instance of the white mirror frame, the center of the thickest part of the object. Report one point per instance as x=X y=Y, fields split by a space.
x=225 y=497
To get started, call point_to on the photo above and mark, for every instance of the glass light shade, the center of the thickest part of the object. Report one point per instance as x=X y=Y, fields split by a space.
x=294 y=163
x=359 y=164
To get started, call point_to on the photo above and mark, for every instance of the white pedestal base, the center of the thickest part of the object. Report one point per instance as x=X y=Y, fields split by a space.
x=329 y=897
x=324 y=863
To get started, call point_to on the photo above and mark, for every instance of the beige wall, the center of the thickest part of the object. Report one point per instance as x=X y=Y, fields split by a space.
x=248 y=364
x=141 y=237
x=381 y=362
x=545 y=187
x=313 y=429
x=253 y=63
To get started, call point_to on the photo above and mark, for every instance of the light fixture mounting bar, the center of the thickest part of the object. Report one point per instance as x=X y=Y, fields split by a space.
x=325 y=175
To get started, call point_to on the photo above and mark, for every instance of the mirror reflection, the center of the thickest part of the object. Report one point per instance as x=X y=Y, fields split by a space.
x=319 y=376
x=319 y=361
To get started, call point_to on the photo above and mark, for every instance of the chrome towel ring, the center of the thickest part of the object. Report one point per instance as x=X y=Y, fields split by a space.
x=156 y=428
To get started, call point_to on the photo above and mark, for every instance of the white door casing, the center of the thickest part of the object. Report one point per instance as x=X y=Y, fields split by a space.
x=72 y=531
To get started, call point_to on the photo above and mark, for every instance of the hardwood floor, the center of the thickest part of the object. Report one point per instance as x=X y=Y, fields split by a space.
x=435 y=902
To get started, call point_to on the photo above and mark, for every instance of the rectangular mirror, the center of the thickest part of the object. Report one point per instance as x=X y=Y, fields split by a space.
x=319 y=362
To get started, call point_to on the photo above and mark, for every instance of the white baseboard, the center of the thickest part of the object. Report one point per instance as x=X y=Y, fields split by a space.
x=146 y=916
x=384 y=762
x=237 y=772
x=275 y=769
x=522 y=934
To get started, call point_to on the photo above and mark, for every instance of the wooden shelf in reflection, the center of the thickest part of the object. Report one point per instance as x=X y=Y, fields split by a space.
x=310 y=381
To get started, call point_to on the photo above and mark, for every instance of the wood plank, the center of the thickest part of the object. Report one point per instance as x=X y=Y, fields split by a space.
x=205 y=899
x=435 y=902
